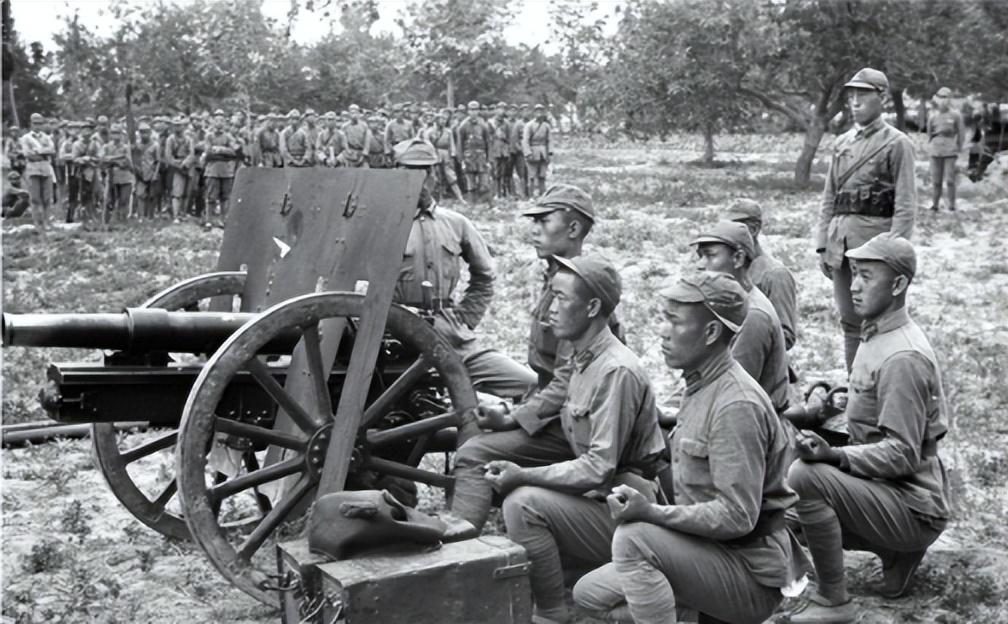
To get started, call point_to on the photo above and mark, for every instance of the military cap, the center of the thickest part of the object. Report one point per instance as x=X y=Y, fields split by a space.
x=143 y=118
x=512 y=106
x=219 y=113
x=562 y=197
x=718 y=292
x=732 y=233
x=353 y=108
x=599 y=274
x=890 y=248
x=944 y=92
x=474 y=105
x=415 y=153
x=743 y=209
x=180 y=120
x=310 y=111
x=329 y=115
x=117 y=128
x=143 y=125
x=88 y=122
x=37 y=118
x=294 y=114
x=539 y=107
x=102 y=119
x=523 y=106
x=460 y=108
x=501 y=104
x=868 y=78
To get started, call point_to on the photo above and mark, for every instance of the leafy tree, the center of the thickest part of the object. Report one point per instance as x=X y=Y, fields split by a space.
x=30 y=86
x=681 y=64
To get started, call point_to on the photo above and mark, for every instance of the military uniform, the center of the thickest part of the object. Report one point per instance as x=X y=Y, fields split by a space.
x=946 y=133
x=500 y=150
x=117 y=157
x=69 y=166
x=887 y=491
x=517 y=156
x=474 y=144
x=220 y=158
x=870 y=188
x=358 y=144
x=267 y=141
x=377 y=157
x=720 y=546
x=443 y=140
x=38 y=150
x=537 y=149
x=396 y=131
x=330 y=142
x=605 y=433
x=179 y=160
x=148 y=172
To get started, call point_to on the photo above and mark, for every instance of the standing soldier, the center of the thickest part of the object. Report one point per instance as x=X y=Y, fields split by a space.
x=377 y=157
x=358 y=140
x=443 y=140
x=147 y=173
x=197 y=180
x=886 y=492
x=946 y=133
x=221 y=157
x=474 y=143
x=88 y=176
x=66 y=157
x=38 y=150
x=397 y=129
x=537 y=149
x=768 y=273
x=267 y=142
x=500 y=150
x=720 y=546
x=329 y=142
x=179 y=160
x=517 y=157
x=311 y=131
x=116 y=156
x=459 y=116
x=870 y=188
x=293 y=147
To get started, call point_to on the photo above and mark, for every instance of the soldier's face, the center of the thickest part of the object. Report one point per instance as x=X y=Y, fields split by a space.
x=571 y=311
x=686 y=333
x=145 y=135
x=473 y=113
x=865 y=105
x=716 y=257
x=551 y=235
x=941 y=101
x=874 y=286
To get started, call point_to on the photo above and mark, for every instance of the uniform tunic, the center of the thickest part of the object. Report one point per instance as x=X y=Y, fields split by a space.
x=892 y=167
x=776 y=282
x=946 y=133
x=38 y=148
x=222 y=163
x=759 y=349
x=474 y=143
x=397 y=131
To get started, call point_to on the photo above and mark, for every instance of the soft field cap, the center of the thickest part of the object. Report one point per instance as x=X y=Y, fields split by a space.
x=599 y=274
x=718 y=292
x=887 y=247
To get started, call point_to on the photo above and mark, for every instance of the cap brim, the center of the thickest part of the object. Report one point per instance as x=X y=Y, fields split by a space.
x=740 y=216
x=537 y=211
x=707 y=238
x=682 y=293
x=860 y=253
x=857 y=84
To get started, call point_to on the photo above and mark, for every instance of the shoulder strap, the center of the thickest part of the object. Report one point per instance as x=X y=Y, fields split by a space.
x=841 y=180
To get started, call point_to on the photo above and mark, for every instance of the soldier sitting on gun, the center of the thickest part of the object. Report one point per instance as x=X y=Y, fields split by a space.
x=554 y=469
x=439 y=240
x=886 y=492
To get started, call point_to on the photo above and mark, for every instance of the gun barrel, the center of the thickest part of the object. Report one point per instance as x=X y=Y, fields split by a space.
x=136 y=330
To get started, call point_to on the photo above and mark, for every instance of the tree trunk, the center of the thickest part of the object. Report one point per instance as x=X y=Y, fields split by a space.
x=922 y=113
x=708 y=144
x=900 y=108
x=8 y=94
x=813 y=135
x=451 y=92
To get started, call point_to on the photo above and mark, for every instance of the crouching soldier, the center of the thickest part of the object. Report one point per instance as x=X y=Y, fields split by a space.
x=555 y=470
x=720 y=547
x=886 y=492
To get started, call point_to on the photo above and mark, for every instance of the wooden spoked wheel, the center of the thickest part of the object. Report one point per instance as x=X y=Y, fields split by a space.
x=156 y=505
x=237 y=548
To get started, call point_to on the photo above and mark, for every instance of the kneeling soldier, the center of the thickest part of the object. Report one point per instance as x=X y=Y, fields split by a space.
x=555 y=472
x=886 y=492
x=721 y=546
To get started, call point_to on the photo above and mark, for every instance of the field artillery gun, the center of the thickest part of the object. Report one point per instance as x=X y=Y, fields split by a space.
x=314 y=379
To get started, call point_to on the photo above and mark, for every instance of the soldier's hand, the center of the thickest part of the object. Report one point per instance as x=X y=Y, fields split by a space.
x=627 y=504
x=504 y=476
x=824 y=266
x=495 y=417
x=811 y=448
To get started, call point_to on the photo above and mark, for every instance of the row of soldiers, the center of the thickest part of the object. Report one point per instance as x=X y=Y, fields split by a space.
x=186 y=165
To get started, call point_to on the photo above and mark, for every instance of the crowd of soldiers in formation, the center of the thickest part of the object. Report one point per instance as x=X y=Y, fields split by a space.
x=185 y=165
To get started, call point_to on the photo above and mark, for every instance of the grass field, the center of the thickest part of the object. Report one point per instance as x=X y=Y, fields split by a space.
x=70 y=553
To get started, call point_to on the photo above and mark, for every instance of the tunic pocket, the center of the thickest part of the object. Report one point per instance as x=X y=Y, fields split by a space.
x=692 y=464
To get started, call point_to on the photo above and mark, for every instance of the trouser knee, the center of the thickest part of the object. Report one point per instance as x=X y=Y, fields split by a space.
x=630 y=540
x=806 y=479
x=522 y=508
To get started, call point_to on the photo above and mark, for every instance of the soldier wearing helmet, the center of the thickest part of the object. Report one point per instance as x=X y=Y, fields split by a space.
x=440 y=240
x=869 y=189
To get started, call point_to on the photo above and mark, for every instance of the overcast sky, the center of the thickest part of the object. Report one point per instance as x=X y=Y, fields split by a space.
x=38 y=20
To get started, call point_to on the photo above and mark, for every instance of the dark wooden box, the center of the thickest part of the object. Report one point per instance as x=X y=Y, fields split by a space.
x=482 y=580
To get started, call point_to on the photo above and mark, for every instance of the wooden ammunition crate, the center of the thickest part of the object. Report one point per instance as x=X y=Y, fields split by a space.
x=482 y=580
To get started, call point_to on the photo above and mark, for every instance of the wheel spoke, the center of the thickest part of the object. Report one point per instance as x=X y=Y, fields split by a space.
x=316 y=368
x=256 y=478
x=166 y=494
x=273 y=519
x=260 y=434
x=251 y=465
x=406 y=382
x=149 y=448
x=411 y=430
x=395 y=469
x=283 y=398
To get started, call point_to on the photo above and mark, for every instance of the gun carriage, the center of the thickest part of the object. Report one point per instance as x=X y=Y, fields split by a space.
x=285 y=374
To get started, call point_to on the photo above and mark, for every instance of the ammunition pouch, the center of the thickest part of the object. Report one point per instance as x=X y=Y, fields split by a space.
x=870 y=201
